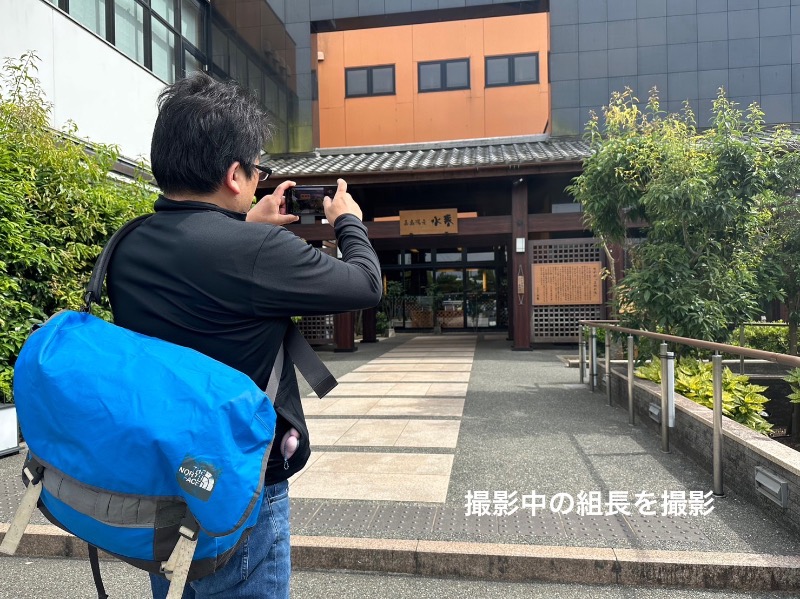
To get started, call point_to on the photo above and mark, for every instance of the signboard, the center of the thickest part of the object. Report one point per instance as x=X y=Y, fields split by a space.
x=429 y=222
x=568 y=284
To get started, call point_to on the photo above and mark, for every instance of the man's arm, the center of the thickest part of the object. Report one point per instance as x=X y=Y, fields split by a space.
x=291 y=278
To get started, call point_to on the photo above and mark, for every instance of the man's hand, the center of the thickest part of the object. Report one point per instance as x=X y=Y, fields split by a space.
x=272 y=208
x=342 y=203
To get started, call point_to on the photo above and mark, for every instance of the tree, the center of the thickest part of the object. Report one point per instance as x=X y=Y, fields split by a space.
x=782 y=243
x=699 y=198
x=58 y=206
x=392 y=302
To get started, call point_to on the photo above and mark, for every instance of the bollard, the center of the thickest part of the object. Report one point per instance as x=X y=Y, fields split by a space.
x=593 y=357
x=581 y=354
x=716 y=361
x=608 y=366
x=631 y=418
x=741 y=344
x=671 y=389
x=586 y=351
x=664 y=404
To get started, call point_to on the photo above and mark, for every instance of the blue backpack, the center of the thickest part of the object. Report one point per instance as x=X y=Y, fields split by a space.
x=151 y=451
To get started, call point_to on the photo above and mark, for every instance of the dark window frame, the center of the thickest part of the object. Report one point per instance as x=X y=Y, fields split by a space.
x=181 y=43
x=443 y=75
x=510 y=58
x=369 y=70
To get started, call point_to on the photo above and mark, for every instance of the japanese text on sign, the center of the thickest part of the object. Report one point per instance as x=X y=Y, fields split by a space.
x=429 y=222
x=569 y=284
x=591 y=503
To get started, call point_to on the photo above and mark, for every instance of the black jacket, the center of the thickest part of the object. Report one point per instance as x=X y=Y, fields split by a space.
x=201 y=276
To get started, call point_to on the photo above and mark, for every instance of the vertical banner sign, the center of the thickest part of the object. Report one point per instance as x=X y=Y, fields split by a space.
x=429 y=222
x=567 y=284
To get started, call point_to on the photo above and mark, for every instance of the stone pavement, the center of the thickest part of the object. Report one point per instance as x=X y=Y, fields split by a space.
x=453 y=456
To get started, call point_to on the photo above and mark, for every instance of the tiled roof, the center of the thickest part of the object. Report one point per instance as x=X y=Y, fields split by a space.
x=513 y=152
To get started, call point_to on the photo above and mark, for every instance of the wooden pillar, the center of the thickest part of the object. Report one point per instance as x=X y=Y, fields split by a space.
x=519 y=277
x=369 y=324
x=344 y=332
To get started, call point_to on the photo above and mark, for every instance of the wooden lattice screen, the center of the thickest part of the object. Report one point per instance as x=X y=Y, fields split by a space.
x=553 y=324
x=318 y=330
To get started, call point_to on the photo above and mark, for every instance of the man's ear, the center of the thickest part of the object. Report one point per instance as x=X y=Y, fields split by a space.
x=233 y=178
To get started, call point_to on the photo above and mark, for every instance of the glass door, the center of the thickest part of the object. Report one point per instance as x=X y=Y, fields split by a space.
x=450 y=295
x=465 y=286
x=481 y=297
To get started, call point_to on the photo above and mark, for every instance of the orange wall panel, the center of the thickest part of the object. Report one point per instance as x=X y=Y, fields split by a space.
x=452 y=39
x=330 y=72
x=447 y=115
x=410 y=116
x=371 y=121
x=331 y=126
x=510 y=110
x=510 y=35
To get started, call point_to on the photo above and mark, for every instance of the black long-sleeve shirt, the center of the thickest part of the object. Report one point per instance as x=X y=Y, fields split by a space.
x=203 y=277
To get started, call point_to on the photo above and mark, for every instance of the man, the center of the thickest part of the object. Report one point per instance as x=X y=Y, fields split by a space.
x=212 y=272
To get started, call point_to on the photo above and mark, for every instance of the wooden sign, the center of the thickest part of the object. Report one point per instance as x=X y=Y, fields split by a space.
x=569 y=284
x=429 y=222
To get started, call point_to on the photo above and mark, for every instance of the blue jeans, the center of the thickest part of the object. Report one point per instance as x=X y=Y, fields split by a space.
x=259 y=569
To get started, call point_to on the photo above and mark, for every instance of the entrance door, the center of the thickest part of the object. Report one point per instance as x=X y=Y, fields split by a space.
x=450 y=287
x=460 y=283
x=481 y=297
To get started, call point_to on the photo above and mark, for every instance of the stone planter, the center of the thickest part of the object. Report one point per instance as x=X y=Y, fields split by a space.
x=9 y=429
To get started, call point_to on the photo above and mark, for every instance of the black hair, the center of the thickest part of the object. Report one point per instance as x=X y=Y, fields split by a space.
x=203 y=127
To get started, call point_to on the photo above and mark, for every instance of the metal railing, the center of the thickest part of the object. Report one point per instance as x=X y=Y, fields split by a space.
x=667 y=386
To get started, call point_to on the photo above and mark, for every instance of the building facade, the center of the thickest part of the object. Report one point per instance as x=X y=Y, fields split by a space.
x=460 y=109
x=687 y=49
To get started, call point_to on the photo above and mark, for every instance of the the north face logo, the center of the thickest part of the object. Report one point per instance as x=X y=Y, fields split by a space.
x=197 y=478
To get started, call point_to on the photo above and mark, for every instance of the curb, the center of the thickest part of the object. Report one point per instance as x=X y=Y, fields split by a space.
x=503 y=562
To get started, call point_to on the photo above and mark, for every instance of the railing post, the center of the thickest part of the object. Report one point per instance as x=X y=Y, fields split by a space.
x=716 y=361
x=593 y=357
x=671 y=389
x=631 y=418
x=742 y=341
x=608 y=366
x=581 y=352
x=664 y=403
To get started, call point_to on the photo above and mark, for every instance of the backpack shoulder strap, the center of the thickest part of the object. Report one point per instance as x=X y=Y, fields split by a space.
x=308 y=362
x=95 y=288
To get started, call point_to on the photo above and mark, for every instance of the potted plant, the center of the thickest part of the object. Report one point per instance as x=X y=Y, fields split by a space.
x=9 y=428
x=382 y=325
x=390 y=304
x=434 y=291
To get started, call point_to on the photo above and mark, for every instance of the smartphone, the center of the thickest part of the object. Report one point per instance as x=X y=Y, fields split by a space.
x=307 y=199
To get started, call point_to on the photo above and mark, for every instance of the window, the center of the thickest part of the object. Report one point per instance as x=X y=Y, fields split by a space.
x=443 y=75
x=193 y=23
x=165 y=9
x=520 y=69
x=91 y=13
x=190 y=62
x=163 y=51
x=129 y=29
x=254 y=77
x=219 y=48
x=369 y=81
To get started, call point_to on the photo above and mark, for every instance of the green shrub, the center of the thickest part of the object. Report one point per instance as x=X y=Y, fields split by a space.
x=794 y=384
x=741 y=400
x=58 y=206
x=382 y=323
x=766 y=338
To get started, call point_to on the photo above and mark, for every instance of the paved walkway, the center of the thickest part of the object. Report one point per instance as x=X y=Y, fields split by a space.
x=457 y=439
x=387 y=466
